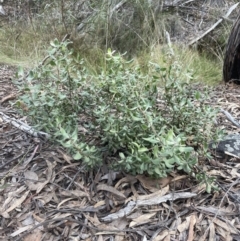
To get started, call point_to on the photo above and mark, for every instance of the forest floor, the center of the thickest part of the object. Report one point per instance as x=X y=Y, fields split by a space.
x=45 y=195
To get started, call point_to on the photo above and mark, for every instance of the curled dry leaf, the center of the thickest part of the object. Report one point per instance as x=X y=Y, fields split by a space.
x=155 y=195
x=153 y=185
x=161 y=236
x=49 y=176
x=145 y=218
x=113 y=190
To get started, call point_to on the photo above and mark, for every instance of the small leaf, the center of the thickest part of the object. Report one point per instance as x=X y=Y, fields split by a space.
x=151 y=140
x=143 y=149
x=77 y=156
x=121 y=155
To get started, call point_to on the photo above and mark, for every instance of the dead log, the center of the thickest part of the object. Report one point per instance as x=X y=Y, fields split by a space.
x=231 y=65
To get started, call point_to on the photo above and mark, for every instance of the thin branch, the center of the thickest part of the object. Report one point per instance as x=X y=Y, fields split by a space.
x=214 y=25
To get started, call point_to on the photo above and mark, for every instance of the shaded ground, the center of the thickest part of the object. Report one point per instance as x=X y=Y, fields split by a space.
x=47 y=196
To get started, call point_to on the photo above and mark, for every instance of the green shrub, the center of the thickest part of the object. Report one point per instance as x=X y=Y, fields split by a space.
x=136 y=122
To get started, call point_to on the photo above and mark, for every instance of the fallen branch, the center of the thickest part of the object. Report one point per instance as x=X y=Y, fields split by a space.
x=151 y=201
x=214 y=25
x=24 y=127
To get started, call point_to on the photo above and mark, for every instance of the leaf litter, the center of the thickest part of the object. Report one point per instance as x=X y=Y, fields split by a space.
x=47 y=196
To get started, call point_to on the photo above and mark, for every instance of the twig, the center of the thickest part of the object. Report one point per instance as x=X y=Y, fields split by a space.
x=11 y=160
x=230 y=118
x=73 y=179
x=117 y=7
x=24 y=127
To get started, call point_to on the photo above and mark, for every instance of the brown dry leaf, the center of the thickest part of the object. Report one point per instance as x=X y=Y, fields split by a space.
x=119 y=237
x=21 y=230
x=191 y=228
x=220 y=173
x=35 y=236
x=216 y=163
x=94 y=220
x=100 y=238
x=63 y=201
x=49 y=176
x=68 y=166
x=46 y=198
x=120 y=223
x=106 y=227
x=104 y=187
x=142 y=219
x=178 y=178
x=184 y=225
x=234 y=173
x=201 y=187
x=17 y=202
x=134 y=215
x=213 y=210
x=226 y=235
x=100 y=203
x=211 y=232
x=11 y=198
x=75 y=193
x=225 y=226
x=134 y=191
x=167 y=238
x=67 y=158
x=153 y=185
x=157 y=194
x=161 y=235
x=37 y=218
x=128 y=179
x=204 y=237
x=8 y=97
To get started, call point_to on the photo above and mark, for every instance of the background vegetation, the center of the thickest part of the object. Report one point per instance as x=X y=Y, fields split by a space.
x=138 y=27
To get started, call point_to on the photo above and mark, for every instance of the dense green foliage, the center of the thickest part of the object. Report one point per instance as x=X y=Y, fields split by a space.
x=138 y=122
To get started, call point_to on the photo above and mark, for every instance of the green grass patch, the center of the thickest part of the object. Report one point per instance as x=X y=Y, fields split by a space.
x=204 y=68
